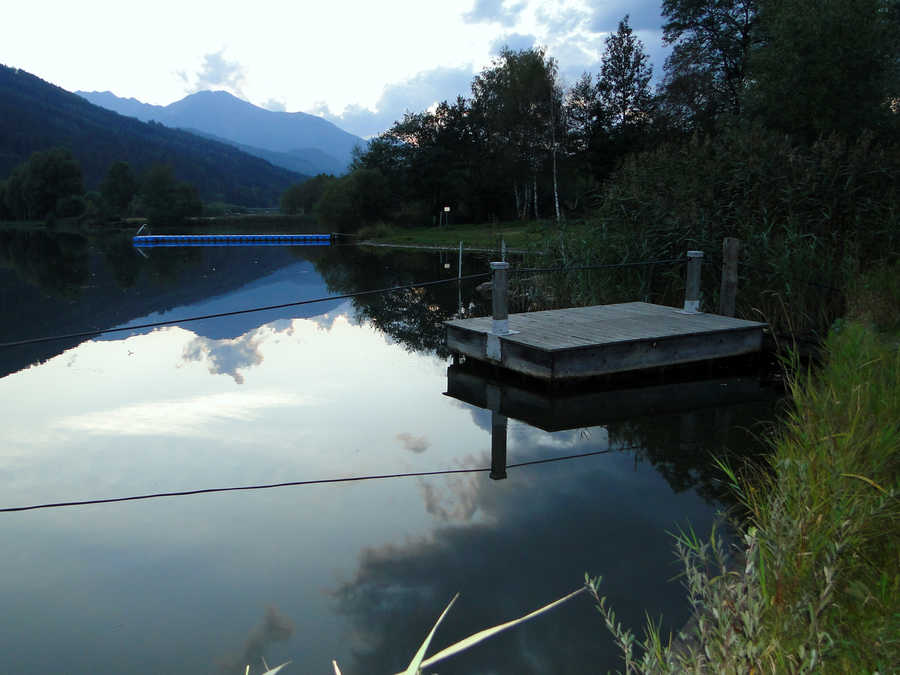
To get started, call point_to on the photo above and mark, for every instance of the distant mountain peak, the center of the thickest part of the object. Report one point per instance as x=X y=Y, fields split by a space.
x=219 y=113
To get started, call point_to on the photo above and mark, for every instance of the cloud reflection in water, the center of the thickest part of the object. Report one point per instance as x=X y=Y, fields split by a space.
x=195 y=416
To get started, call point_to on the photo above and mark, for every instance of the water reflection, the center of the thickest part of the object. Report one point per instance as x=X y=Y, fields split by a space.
x=677 y=425
x=358 y=569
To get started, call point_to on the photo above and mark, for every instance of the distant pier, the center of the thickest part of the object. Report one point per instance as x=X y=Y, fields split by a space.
x=151 y=240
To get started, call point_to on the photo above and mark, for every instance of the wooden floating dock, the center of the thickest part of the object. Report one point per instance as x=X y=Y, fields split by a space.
x=570 y=344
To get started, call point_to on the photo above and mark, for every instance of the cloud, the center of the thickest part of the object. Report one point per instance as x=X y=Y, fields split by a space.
x=274 y=627
x=458 y=502
x=515 y=41
x=494 y=11
x=416 y=444
x=198 y=416
x=641 y=16
x=514 y=556
x=414 y=95
x=217 y=73
x=275 y=105
x=561 y=20
x=224 y=357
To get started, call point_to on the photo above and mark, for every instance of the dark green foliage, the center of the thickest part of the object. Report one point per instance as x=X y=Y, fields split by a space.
x=164 y=200
x=807 y=215
x=37 y=116
x=359 y=198
x=47 y=185
x=302 y=197
x=624 y=86
x=625 y=106
x=707 y=70
x=518 y=103
x=5 y=212
x=119 y=188
x=58 y=264
x=827 y=66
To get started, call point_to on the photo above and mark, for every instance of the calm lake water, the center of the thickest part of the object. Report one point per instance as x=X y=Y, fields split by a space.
x=352 y=571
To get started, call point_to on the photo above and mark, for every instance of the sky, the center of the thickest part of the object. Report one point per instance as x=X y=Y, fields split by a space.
x=359 y=63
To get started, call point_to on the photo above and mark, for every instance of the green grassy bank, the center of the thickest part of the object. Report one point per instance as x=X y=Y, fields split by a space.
x=814 y=583
x=517 y=234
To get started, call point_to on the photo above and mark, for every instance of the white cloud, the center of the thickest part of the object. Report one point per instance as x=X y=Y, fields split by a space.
x=495 y=11
x=217 y=72
x=359 y=64
x=417 y=93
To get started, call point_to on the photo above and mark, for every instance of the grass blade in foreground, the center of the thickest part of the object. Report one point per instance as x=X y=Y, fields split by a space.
x=475 y=638
x=416 y=664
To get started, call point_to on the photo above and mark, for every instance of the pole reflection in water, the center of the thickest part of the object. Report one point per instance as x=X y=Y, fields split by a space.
x=584 y=407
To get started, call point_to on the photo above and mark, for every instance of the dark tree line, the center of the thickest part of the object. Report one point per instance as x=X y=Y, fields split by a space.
x=50 y=185
x=524 y=146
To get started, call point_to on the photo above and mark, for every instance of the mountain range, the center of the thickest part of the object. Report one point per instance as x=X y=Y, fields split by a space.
x=36 y=115
x=297 y=141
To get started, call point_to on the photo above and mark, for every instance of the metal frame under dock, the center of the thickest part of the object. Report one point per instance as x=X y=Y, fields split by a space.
x=583 y=342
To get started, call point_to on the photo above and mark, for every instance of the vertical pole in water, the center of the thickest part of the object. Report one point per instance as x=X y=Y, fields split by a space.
x=459 y=283
x=692 y=284
x=494 y=397
x=728 y=294
x=498 y=446
x=500 y=325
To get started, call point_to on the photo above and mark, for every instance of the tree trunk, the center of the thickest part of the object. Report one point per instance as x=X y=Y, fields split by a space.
x=555 y=187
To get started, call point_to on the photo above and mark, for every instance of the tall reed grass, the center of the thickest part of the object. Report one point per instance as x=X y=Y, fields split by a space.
x=810 y=219
x=815 y=584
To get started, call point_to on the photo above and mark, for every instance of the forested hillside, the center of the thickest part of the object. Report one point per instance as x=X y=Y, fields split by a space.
x=37 y=116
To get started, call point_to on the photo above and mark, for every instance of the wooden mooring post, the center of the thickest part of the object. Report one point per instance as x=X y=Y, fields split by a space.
x=692 y=282
x=499 y=299
x=731 y=248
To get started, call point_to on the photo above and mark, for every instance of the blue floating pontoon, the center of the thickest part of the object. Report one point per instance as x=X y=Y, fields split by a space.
x=151 y=240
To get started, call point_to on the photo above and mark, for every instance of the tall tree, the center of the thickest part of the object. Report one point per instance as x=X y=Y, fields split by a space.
x=624 y=85
x=165 y=200
x=706 y=73
x=583 y=116
x=45 y=185
x=119 y=187
x=519 y=101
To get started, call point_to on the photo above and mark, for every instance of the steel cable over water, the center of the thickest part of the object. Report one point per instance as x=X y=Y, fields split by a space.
x=319 y=481
x=219 y=315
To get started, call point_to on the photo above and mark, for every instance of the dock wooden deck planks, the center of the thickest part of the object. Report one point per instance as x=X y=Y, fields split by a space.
x=603 y=339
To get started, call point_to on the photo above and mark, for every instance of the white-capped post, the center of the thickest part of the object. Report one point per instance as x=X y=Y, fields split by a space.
x=500 y=324
x=692 y=283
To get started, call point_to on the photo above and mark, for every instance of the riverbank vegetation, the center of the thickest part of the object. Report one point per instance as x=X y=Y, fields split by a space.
x=812 y=584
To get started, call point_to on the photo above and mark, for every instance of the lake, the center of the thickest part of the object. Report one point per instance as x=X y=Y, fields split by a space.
x=355 y=571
